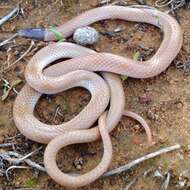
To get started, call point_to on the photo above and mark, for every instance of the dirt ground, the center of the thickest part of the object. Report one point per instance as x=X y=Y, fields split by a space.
x=164 y=101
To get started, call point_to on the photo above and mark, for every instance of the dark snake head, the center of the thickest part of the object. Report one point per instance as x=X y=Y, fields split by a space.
x=33 y=33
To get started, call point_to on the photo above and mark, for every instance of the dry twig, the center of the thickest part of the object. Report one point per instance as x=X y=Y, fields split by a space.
x=8 y=40
x=9 y=15
x=15 y=158
x=21 y=57
x=13 y=167
x=133 y=163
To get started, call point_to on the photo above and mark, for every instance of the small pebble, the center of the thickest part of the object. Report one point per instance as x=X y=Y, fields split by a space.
x=78 y=163
x=86 y=35
x=181 y=183
x=118 y=29
x=137 y=127
x=152 y=115
x=78 y=167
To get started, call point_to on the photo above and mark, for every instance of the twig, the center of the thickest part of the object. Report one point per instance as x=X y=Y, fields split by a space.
x=9 y=15
x=13 y=137
x=7 y=156
x=20 y=158
x=8 y=40
x=103 y=2
x=172 y=4
x=7 y=87
x=141 y=159
x=119 y=2
x=35 y=165
x=142 y=6
x=21 y=57
x=184 y=66
x=162 y=3
x=131 y=183
x=166 y=182
x=141 y=2
x=176 y=5
x=57 y=112
x=136 y=178
x=13 y=167
x=4 y=145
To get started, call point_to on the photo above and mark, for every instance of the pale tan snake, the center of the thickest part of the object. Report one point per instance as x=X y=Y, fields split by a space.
x=78 y=72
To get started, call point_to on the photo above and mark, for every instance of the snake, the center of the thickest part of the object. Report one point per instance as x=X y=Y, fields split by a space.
x=98 y=73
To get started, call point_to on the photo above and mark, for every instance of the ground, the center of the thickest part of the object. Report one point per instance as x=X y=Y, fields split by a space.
x=163 y=100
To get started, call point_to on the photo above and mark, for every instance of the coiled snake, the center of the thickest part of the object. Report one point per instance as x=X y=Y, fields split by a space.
x=78 y=71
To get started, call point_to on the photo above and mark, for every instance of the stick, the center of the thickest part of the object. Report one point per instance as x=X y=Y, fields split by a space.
x=14 y=167
x=131 y=183
x=32 y=164
x=8 y=40
x=9 y=15
x=4 y=145
x=166 y=182
x=141 y=2
x=30 y=154
x=27 y=161
x=21 y=57
x=20 y=158
x=141 y=159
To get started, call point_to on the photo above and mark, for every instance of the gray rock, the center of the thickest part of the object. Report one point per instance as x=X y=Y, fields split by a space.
x=86 y=35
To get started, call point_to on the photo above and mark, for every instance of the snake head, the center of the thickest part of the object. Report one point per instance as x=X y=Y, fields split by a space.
x=33 y=33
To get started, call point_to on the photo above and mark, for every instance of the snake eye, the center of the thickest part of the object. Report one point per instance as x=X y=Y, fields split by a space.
x=34 y=33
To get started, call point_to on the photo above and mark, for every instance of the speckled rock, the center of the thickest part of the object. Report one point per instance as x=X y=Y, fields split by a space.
x=86 y=35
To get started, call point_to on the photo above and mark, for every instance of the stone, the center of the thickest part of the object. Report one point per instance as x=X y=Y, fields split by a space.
x=86 y=35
